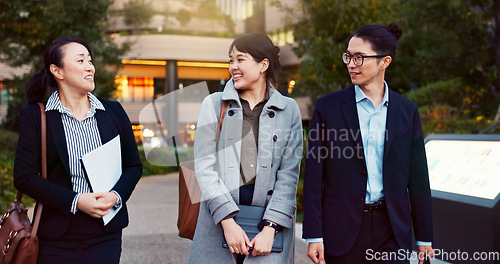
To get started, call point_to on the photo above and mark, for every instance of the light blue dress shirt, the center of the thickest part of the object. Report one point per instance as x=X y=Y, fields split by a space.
x=372 y=123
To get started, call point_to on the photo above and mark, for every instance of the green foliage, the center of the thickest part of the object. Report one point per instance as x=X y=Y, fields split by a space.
x=7 y=190
x=208 y=9
x=444 y=119
x=445 y=61
x=449 y=92
x=450 y=106
x=27 y=27
x=441 y=41
x=156 y=155
x=322 y=36
x=137 y=13
x=7 y=153
x=183 y=16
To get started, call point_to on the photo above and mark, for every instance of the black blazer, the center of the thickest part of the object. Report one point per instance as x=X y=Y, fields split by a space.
x=56 y=193
x=335 y=187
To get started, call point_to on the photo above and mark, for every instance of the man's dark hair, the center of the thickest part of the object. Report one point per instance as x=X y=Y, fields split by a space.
x=384 y=39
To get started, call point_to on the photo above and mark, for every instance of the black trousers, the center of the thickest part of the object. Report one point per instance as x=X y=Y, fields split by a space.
x=85 y=242
x=375 y=243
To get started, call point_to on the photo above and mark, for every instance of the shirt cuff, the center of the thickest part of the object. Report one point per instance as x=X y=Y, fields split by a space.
x=422 y=243
x=314 y=240
x=118 y=204
x=74 y=209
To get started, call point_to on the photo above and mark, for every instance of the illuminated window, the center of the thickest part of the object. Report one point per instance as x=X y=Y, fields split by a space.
x=135 y=89
x=282 y=36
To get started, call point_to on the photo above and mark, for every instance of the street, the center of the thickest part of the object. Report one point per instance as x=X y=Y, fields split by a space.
x=151 y=237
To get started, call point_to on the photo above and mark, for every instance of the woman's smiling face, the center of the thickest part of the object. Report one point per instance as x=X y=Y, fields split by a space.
x=244 y=70
x=77 y=71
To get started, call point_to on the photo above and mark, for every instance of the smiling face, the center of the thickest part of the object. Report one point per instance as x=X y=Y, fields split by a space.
x=245 y=71
x=77 y=73
x=372 y=71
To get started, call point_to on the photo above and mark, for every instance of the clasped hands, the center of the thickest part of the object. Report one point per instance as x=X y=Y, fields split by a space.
x=96 y=204
x=239 y=243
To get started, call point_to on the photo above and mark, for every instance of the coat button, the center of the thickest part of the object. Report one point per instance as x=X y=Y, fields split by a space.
x=271 y=115
x=230 y=113
x=275 y=138
x=363 y=173
x=270 y=192
x=361 y=200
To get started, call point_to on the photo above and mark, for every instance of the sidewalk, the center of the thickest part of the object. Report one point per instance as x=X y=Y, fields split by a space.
x=151 y=237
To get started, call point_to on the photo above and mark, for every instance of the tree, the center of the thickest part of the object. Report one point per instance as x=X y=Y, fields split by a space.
x=137 y=13
x=183 y=16
x=209 y=10
x=442 y=40
x=321 y=35
x=28 y=27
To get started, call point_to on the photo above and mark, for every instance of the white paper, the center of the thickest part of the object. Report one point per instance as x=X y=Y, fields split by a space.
x=104 y=168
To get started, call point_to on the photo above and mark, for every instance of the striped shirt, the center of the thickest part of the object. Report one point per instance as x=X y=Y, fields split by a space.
x=82 y=137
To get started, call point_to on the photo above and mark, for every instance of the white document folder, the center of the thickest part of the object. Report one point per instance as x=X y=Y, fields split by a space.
x=103 y=167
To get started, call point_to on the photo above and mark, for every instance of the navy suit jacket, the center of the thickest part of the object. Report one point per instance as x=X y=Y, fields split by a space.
x=56 y=193
x=336 y=175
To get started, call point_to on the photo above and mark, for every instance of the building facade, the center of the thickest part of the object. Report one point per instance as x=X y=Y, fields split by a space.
x=182 y=43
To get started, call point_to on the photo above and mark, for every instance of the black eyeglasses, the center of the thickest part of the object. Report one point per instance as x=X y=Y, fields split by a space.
x=358 y=59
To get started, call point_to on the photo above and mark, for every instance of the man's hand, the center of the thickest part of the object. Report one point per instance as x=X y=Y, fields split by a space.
x=263 y=242
x=316 y=252
x=237 y=240
x=89 y=203
x=423 y=252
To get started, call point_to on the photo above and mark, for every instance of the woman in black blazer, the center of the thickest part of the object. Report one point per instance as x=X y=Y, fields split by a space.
x=71 y=227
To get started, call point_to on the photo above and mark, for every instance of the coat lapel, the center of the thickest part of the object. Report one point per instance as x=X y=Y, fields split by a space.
x=350 y=114
x=392 y=124
x=56 y=130
x=104 y=124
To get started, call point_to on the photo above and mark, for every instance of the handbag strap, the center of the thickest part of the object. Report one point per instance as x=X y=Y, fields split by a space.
x=221 y=118
x=36 y=222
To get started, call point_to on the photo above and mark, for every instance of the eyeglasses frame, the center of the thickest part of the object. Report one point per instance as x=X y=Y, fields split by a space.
x=362 y=58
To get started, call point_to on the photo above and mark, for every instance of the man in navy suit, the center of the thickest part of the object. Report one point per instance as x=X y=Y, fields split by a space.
x=366 y=180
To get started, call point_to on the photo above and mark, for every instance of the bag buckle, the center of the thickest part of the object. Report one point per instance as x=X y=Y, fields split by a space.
x=4 y=216
x=12 y=235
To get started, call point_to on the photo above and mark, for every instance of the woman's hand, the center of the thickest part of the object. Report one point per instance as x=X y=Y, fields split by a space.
x=263 y=242
x=108 y=198
x=94 y=204
x=237 y=240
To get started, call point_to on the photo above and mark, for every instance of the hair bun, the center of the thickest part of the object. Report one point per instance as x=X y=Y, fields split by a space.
x=395 y=30
x=277 y=49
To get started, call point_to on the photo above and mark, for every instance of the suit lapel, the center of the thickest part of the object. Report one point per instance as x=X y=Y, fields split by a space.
x=392 y=124
x=56 y=129
x=104 y=123
x=350 y=114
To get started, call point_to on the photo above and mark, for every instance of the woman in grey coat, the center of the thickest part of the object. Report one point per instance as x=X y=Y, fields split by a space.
x=255 y=162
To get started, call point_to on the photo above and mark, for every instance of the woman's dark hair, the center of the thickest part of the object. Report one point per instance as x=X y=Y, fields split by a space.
x=384 y=39
x=261 y=47
x=39 y=84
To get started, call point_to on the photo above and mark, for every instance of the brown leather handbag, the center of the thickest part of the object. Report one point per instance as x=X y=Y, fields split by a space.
x=18 y=240
x=189 y=190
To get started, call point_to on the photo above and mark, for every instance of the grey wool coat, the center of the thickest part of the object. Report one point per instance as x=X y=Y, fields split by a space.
x=218 y=172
